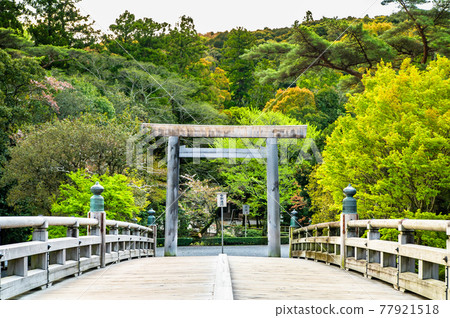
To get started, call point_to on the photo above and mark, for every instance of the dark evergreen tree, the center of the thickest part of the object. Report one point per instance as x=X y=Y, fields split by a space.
x=240 y=70
x=10 y=11
x=59 y=22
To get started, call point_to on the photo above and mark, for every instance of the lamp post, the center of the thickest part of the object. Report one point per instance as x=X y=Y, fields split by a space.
x=294 y=219
x=151 y=217
x=292 y=226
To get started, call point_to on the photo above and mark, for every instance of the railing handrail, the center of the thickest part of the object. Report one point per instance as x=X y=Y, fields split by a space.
x=41 y=261
x=12 y=222
x=403 y=263
x=407 y=224
x=317 y=226
x=121 y=224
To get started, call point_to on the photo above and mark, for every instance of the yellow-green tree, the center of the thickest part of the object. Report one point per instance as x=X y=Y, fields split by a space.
x=298 y=103
x=393 y=146
x=214 y=84
x=125 y=196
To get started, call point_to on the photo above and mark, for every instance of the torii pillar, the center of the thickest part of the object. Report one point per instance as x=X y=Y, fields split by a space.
x=173 y=177
x=273 y=199
x=271 y=133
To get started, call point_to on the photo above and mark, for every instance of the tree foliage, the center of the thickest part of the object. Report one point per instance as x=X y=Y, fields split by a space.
x=394 y=149
x=69 y=100
x=431 y=27
x=246 y=180
x=184 y=45
x=10 y=11
x=198 y=203
x=239 y=70
x=59 y=22
x=333 y=44
x=298 y=103
x=124 y=196
x=44 y=156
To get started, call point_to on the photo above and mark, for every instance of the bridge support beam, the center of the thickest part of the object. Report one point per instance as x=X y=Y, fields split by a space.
x=173 y=171
x=273 y=199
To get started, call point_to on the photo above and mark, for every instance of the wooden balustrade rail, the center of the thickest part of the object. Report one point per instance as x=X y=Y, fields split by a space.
x=42 y=261
x=407 y=266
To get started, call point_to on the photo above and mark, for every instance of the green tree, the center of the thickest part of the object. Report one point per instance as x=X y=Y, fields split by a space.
x=393 y=146
x=298 y=103
x=142 y=38
x=198 y=203
x=239 y=70
x=246 y=180
x=12 y=39
x=26 y=95
x=83 y=98
x=60 y=23
x=10 y=11
x=44 y=155
x=334 y=44
x=124 y=197
x=214 y=85
x=430 y=25
x=184 y=46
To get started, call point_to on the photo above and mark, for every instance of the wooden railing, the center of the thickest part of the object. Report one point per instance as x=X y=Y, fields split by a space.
x=404 y=264
x=42 y=261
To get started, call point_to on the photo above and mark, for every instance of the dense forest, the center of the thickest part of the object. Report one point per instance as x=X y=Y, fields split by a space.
x=374 y=93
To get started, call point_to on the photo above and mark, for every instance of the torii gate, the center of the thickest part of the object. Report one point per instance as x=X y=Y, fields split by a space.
x=271 y=133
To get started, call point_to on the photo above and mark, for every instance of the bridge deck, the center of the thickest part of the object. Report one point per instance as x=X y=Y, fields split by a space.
x=194 y=278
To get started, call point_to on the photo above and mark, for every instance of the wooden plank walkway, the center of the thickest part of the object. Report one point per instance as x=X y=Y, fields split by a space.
x=180 y=278
x=292 y=279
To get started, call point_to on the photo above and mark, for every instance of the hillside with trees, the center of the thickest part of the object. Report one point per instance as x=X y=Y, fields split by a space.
x=374 y=92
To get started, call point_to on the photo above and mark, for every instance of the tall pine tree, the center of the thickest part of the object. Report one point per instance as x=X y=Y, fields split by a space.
x=60 y=23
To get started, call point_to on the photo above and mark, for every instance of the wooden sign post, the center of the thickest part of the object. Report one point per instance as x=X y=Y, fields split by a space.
x=221 y=203
x=245 y=211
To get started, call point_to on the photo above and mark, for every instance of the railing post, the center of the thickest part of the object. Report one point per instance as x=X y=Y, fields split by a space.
x=372 y=256
x=349 y=213
x=317 y=246
x=405 y=264
x=328 y=244
x=127 y=243
x=40 y=234
x=114 y=245
x=447 y=269
x=97 y=211
x=155 y=242
x=373 y=234
x=73 y=230
x=406 y=237
x=41 y=261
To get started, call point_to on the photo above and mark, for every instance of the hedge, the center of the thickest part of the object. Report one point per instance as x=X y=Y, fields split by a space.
x=261 y=240
x=182 y=241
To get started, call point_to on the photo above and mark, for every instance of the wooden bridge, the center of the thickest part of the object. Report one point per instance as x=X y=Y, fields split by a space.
x=218 y=278
x=36 y=269
x=116 y=260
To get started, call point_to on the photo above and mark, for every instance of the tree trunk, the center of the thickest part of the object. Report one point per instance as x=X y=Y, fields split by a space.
x=202 y=231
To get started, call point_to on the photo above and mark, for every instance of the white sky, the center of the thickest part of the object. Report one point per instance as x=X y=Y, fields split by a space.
x=227 y=14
